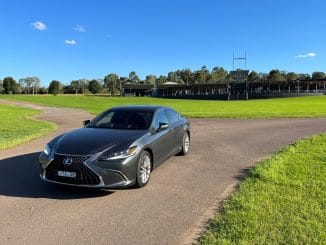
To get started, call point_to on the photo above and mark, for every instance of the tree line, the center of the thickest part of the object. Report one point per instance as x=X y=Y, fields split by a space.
x=111 y=84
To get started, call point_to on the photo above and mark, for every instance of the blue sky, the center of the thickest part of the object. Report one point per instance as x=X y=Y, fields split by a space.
x=68 y=40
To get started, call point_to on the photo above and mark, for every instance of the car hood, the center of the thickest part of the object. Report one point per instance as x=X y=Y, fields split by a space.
x=89 y=141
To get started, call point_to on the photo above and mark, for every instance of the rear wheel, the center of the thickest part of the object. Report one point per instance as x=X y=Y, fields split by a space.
x=185 y=144
x=144 y=169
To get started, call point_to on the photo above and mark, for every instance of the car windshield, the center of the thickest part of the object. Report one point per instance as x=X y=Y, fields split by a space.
x=123 y=119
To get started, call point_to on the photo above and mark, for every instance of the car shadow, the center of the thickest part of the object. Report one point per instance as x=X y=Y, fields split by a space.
x=19 y=177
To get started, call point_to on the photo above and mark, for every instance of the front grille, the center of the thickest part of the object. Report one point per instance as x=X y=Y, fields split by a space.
x=84 y=175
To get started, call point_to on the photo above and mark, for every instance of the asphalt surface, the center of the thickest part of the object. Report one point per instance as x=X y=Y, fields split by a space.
x=171 y=209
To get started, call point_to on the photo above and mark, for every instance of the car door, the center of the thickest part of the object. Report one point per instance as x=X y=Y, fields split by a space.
x=161 y=142
x=176 y=129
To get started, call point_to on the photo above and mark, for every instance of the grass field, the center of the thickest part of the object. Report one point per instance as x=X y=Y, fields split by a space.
x=17 y=126
x=269 y=108
x=282 y=201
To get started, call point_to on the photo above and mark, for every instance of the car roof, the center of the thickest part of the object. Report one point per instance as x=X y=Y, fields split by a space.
x=139 y=107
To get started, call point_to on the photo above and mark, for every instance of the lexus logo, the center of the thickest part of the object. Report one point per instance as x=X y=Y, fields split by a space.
x=67 y=161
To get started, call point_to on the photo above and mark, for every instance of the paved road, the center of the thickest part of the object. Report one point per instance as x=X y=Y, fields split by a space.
x=170 y=210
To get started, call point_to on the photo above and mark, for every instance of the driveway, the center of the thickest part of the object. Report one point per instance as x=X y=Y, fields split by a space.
x=181 y=195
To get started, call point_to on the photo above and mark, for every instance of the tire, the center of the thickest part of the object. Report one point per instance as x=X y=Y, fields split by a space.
x=185 y=144
x=143 y=170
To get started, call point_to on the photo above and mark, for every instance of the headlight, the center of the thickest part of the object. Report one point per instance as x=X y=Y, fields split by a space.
x=118 y=155
x=47 y=150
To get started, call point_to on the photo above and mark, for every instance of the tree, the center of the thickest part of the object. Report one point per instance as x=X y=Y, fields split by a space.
x=303 y=76
x=284 y=76
x=10 y=86
x=26 y=84
x=17 y=88
x=83 y=85
x=36 y=84
x=42 y=90
x=217 y=75
x=133 y=78
x=1 y=87
x=67 y=89
x=111 y=82
x=54 y=87
x=150 y=79
x=275 y=76
x=30 y=83
x=318 y=75
x=187 y=76
x=75 y=86
x=291 y=76
x=263 y=77
x=123 y=80
x=253 y=77
x=172 y=76
x=179 y=76
x=201 y=75
x=79 y=86
x=161 y=80
x=94 y=86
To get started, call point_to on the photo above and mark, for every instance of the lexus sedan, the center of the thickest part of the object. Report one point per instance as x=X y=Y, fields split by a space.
x=118 y=148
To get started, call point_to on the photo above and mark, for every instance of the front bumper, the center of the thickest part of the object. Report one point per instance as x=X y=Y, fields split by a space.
x=119 y=173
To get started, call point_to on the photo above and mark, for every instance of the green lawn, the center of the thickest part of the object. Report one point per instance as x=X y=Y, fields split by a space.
x=17 y=126
x=282 y=201
x=269 y=108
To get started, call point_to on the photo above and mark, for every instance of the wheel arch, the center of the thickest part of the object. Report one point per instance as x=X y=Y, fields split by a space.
x=149 y=150
x=188 y=131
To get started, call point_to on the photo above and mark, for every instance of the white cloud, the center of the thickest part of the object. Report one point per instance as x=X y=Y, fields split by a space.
x=38 y=25
x=79 y=28
x=71 y=42
x=308 y=55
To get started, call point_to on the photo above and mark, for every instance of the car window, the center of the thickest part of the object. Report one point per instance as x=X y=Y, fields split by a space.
x=172 y=116
x=121 y=119
x=105 y=119
x=160 y=118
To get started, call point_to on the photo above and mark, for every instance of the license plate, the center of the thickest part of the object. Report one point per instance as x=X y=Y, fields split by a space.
x=67 y=174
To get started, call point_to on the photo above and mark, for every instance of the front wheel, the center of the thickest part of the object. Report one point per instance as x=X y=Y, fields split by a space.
x=185 y=144
x=144 y=169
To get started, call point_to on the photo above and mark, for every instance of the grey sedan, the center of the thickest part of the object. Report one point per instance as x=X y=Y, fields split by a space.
x=118 y=148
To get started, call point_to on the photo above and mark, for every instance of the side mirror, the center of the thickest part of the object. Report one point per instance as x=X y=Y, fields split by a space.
x=86 y=122
x=163 y=126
